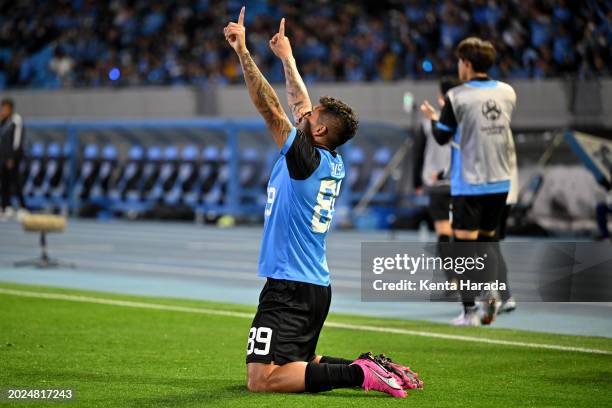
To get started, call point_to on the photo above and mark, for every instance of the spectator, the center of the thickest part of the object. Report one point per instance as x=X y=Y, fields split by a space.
x=79 y=42
x=61 y=65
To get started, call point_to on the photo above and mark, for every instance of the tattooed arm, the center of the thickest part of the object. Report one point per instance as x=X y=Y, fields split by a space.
x=265 y=100
x=297 y=94
x=263 y=96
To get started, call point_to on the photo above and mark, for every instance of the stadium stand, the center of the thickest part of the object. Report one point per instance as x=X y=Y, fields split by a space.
x=89 y=43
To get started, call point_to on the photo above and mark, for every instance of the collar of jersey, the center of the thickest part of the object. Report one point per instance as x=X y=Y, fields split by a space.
x=333 y=152
x=482 y=82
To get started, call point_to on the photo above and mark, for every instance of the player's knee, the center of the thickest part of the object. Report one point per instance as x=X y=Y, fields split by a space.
x=261 y=385
x=258 y=382
x=254 y=384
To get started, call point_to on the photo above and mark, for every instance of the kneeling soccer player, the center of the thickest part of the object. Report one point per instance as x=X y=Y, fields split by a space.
x=303 y=187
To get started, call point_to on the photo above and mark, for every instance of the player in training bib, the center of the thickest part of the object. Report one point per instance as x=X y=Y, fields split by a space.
x=302 y=190
x=476 y=120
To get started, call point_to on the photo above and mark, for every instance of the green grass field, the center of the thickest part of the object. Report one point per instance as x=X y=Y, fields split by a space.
x=120 y=356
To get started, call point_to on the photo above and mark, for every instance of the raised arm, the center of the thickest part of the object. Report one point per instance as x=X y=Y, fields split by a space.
x=263 y=96
x=297 y=94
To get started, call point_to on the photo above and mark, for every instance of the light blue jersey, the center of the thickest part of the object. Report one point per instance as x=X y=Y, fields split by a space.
x=299 y=211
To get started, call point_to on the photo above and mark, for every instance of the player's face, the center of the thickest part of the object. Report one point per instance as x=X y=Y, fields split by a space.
x=309 y=121
x=304 y=124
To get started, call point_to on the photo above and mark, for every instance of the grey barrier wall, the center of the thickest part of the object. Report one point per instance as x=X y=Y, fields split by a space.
x=547 y=104
x=106 y=103
x=542 y=104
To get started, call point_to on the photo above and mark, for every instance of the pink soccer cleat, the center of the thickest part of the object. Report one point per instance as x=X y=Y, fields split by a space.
x=378 y=378
x=408 y=379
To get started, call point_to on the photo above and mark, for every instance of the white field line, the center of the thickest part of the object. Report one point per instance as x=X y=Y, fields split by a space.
x=336 y=325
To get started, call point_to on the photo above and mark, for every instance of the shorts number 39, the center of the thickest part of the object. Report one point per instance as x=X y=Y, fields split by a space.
x=262 y=336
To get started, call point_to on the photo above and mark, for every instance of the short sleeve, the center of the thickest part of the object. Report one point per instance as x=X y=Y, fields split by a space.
x=289 y=141
x=302 y=157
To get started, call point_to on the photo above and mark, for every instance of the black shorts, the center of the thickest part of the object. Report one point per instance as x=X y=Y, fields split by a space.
x=439 y=204
x=288 y=322
x=478 y=212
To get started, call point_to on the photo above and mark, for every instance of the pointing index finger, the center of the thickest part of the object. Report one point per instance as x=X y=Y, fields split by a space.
x=281 y=29
x=241 y=16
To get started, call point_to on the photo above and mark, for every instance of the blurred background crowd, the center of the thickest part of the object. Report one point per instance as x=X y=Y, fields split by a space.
x=77 y=43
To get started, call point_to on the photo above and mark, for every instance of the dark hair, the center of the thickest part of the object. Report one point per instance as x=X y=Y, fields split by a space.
x=447 y=83
x=9 y=102
x=340 y=119
x=480 y=53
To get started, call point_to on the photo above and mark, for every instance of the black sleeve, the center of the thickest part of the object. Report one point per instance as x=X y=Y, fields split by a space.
x=418 y=158
x=302 y=157
x=444 y=129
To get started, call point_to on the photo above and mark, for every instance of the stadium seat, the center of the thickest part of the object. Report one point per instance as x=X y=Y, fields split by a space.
x=209 y=176
x=126 y=190
x=249 y=160
x=185 y=188
x=35 y=176
x=168 y=173
x=130 y=175
x=138 y=180
x=208 y=179
x=50 y=191
x=53 y=171
x=150 y=173
x=58 y=175
x=102 y=185
x=224 y=172
x=88 y=172
x=249 y=176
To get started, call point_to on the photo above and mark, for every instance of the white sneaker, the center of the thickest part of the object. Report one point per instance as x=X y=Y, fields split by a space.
x=469 y=318
x=507 y=306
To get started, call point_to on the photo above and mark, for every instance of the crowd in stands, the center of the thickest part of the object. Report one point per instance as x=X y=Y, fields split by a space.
x=78 y=43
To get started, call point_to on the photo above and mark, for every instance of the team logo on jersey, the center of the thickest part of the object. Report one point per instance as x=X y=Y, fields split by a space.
x=491 y=110
x=337 y=169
